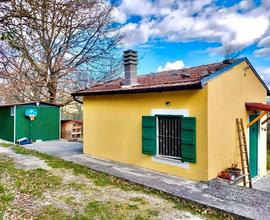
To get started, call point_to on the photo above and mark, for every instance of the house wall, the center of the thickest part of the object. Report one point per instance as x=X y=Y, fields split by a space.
x=113 y=128
x=6 y=124
x=227 y=95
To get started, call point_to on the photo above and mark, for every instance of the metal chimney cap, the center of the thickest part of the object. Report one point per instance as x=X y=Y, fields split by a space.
x=130 y=55
x=130 y=51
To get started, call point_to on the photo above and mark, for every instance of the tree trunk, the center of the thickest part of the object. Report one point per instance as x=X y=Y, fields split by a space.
x=52 y=89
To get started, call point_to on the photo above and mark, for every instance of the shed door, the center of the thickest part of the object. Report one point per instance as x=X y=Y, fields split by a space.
x=253 y=147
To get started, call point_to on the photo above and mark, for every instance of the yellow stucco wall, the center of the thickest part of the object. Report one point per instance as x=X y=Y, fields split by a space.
x=113 y=129
x=227 y=95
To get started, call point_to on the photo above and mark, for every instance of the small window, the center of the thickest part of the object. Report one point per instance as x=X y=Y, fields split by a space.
x=12 y=111
x=169 y=136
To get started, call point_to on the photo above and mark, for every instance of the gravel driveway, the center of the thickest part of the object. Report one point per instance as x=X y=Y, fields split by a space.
x=59 y=148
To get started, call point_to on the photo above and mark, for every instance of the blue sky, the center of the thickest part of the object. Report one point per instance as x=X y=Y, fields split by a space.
x=171 y=34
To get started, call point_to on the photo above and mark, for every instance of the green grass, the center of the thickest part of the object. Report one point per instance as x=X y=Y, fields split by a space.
x=133 y=206
x=99 y=210
x=268 y=159
x=50 y=212
x=77 y=186
x=153 y=212
x=139 y=200
x=2 y=189
x=102 y=179
x=6 y=197
x=114 y=210
x=6 y=145
x=33 y=182
x=70 y=200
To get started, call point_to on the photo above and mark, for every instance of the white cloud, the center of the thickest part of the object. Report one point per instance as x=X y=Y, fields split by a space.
x=181 y=21
x=262 y=51
x=136 y=33
x=119 y=15
x=179 y=64
x=138 y=7
x=264 y=47
x=245 y=4
x=265 y=74
x=264 y=42
x=244 y=30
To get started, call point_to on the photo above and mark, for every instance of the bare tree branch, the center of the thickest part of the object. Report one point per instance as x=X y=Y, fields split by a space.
x=50 y=48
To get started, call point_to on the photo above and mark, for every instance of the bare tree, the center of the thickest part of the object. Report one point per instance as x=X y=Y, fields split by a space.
x=230 y=52
x=52 y=47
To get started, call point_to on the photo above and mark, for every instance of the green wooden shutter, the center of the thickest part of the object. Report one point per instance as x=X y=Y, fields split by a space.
x=188 y=139
x=149 y=135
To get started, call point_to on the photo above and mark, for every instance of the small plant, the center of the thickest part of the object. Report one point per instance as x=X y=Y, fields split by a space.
x=225 y=175
x=233 y=169
x=234 y=165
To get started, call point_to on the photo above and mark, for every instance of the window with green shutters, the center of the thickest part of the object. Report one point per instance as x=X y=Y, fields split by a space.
x=173 y=137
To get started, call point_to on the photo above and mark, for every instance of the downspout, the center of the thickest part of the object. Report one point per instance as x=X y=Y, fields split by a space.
x=77 y=100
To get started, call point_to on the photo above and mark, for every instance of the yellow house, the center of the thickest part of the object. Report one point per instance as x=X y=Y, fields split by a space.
x=180 y=122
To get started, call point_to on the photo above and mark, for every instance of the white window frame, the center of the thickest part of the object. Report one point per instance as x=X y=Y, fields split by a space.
x=14 y=129
x=161 y=159
x=157 y=138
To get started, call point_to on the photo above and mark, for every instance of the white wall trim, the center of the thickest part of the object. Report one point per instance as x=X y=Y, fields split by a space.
x=262 y=146
x=259 y=148
x=157 y=132
x=170 y=162
x=14 y=129
x=184 y=112
x=160 y=159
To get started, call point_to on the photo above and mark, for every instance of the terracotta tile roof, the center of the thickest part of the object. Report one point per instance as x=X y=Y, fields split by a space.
x=187 y=78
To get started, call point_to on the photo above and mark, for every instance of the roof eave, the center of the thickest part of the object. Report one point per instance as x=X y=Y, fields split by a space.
x=258 y=76
x=30 y=103
x=141 y=90
x=214 y=75
x=206 y=79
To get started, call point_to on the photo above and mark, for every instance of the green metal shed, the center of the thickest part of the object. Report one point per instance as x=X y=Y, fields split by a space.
x=15 y=122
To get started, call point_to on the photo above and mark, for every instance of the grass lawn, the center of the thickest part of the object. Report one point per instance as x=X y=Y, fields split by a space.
x=70 y=191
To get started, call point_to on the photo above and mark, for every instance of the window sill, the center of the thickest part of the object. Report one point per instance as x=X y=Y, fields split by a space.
x=172 y=162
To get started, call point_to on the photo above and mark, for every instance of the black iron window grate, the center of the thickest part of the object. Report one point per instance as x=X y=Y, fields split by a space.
x=169 y=143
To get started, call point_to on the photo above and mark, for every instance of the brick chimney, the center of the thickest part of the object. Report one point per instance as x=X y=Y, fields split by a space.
x=130 y=64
